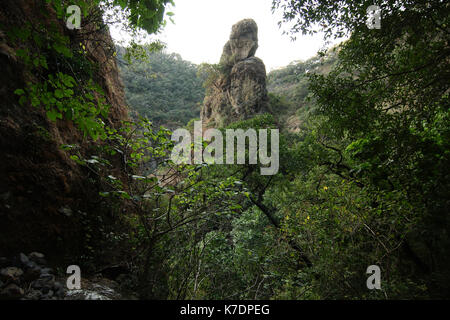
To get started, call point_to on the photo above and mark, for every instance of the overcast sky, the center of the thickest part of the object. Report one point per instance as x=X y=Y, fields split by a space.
x=202 y=27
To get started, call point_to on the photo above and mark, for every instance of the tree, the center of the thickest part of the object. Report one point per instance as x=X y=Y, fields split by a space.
x=386 y=111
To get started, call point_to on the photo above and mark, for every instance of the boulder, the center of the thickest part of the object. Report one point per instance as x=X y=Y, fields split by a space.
x=42 y=284
x=47 y=277
x=12 y=291
x=28 y=278
x=33 y=295
x=37 y=257
x=242 y=44
x=11 y=274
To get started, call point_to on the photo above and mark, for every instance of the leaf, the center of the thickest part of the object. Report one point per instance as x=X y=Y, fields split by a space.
x=19 y=92
x=138 y=177
x=124 y=195
x=67 y=146
x=35 y=102
x=52 y=115
x=44 y=63
x=59 y=93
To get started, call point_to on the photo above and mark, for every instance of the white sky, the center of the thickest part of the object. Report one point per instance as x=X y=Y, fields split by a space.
x=202 y=27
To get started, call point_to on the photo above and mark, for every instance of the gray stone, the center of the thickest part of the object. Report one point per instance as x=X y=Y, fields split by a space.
x=32 y=265
x=239 y=92
x=12 y=291
x=47 y=270
x=248 y=87
x=47 y=277
x=41 y=284
x=11 y=274
x=34 y=295
x=65 y=211
x=24 y=259
x=37 y=257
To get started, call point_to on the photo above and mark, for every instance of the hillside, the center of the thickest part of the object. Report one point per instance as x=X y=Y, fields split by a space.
x=288 y=86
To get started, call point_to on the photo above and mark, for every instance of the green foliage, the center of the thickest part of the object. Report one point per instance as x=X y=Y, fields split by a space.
x=57 y=96
x=361 y=182
x=148 y=15
x=291 y=84
x=69 y=92
x=377 y=110
x=364 y=180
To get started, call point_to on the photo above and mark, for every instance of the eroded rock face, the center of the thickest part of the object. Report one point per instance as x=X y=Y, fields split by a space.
x=242 y=44
x=240 y=90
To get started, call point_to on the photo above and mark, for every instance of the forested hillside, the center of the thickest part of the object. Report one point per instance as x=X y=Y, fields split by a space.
x=359 y=137
x=163 y=87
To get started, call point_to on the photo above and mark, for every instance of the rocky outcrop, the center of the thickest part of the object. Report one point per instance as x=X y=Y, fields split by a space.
x=44 y=195
x=239 y=92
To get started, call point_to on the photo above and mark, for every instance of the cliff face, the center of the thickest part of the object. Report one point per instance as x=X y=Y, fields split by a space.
x=240 y=91
x=44 y=195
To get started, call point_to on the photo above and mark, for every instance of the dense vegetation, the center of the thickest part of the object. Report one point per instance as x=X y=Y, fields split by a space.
x=363 y=181
x=164 y=88
x=289 y=87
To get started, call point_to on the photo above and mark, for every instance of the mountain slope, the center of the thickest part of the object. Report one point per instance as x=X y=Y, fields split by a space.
x=165 y=88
